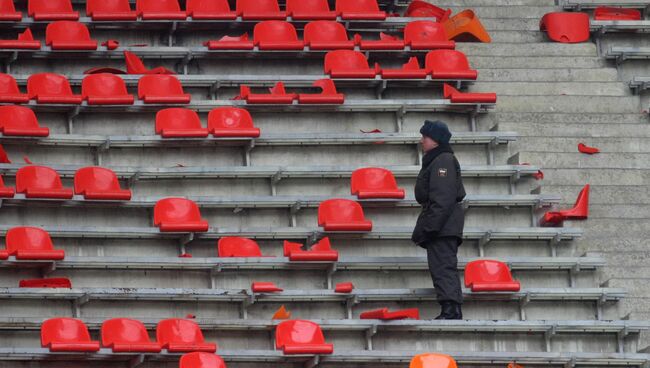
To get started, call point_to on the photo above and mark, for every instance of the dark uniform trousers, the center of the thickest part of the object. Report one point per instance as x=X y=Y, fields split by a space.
x=443 y=265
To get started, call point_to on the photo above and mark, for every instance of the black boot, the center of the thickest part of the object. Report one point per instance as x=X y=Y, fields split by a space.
x=450 y=310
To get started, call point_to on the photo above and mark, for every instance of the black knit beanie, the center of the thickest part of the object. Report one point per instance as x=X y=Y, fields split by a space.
x=436 y=130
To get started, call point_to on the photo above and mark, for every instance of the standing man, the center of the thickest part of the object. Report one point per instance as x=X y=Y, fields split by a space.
x=439 y=228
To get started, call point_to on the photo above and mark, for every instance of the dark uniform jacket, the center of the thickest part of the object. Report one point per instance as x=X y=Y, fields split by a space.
x=439 y=189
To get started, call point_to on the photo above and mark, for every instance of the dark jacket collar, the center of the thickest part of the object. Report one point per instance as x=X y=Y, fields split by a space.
x=431 y=155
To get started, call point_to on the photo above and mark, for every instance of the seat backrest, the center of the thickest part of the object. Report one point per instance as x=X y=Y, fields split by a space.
x=232 y=246
x=339 y=210
x=201 y=360
x=116 y=6
x=486 y=271
x=298 y=332
x=274 y=30
x=372 y=178
x=158 y=5
x=66 y=31
x=220 y=6
x=306 y=6
x=123 y=330
x=27 y=238
x=323 y=245
x=431 y=360
x=37 y=177
x=103 y=85
x=96 y=179
x=159 y=85
x=4 y=158
x=230 y=117
x=8 y=85
x=424 y=30
x=423 y=9
x=63 y=330
x=177 y=118
x=26 y=35
x=48 y=84
x=357 y=6
x=178 y=331
x=13 y=116
x=7 y=6
x=446 y=60
x=345 y=60
x=48 y=6
x=326 y=85
x=175 y=210
x=258 y=6
x=325 y=31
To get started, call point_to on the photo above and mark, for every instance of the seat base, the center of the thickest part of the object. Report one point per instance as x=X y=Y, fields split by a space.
x=198 y=15
x=201 y=226
x=141 y=347
x=496 y=287
x=289 y=45
x=55 y=194
x=432 y=45
x=56 y=16
x=364 y=16
x=234 y=133
x=11 y=17
x=334 y=45
x=462 y=74
x=178 y=99
x=308 y=349
x=381 y=45
x=352 y=226
x=404 y=74
x=230 y=45
x=185 y=133
x=21 y=45
x=270 y=99
x=264 y=16
x=112 y=100
x=121 y=195
x=81 y=346
x=53 y=255
x=188 y=348
x=388 y=194
x=354 y=74
x=77 y=45
x=61 y=100
x=33 y=132
x=15 y=99
x=164 y=15
x=336 y=99
x=324 y=15
x=314 y=256
x=109 y=16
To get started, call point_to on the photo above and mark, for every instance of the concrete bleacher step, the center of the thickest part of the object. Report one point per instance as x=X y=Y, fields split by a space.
x=551 y=104
x=600 y=120
x=569 y=144
x=546 y=75
x=602 y=161
x=538 y=62
x=544 y=88
x=568 y=129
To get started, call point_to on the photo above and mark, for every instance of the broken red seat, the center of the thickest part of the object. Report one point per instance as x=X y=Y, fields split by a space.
x=178 y=122
x=232 y=122
x=265 y=287
x=449 y=64
x=319 y=252
x=385 y=42
x=375 y=182
x=162 y=89
x=580 y=210
x=99 y=183
x=301 y=337
x=178 y=215
x=455 y=96
x=276 y=35
x=182 y=336
x=329 y=95
x=427 y=35
x=423 y=9
x=31 y=243
x=160 y=10
x=489 y=276
x=41 y=182
x=67 y=335
x=233 y=246
x=8 y=12
x=25 y=41
x=342 y=215
x=105 y=89
x=615 y=13
x=260 y=10
x=5 y=191
x=385 y=315
x=277 y=96
x=134 y=65
x=201 y=360
x=327 y=35
x=344 y=287
x=51 y=10
x=124 y=335
x=9 y=92
x=231 y=43
x=20 y=121
x=50 y=88
x=69 y=35
x=310 y=10
x=359 y=10
x=349 y=64
x=566 y=27
x=210 y=10
x=410 y=70
x=51 y=283
x=108 y=10
x=583 y=148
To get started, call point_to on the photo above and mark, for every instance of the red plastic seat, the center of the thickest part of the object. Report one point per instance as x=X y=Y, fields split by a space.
x=231 y=122
x=344 y=287
x=566 y=27
x=385 y=315
x=8 y=12
x=613 y=13
x=427 y=35
x=310 y=10
x=231 y=43
x=106 y=10
x=182 y=336
x=178 y=122
x=375 y=182
x=9 y=92
x=160 y=10
x=67 y=335
x=342 y=215
x=210 y=10
x=51 y=10
x=25 y=41
x=162 y=89
x=5 y=191
x=232 y=246
x=277 y=96
x=20 y=121
x=51 y=283
x=31 y=243
x=359 y=10
x=50 y=88
x=349 y=64
x=385 y=42
x=276 y=35
x=449 y=64
x=69 y=35
x=423 y=9
x=99 y=183
x=455 y=96
x=327 y=35
x=105 y=89
x=301 y=337
x=319 y=252
x=329 y=95
x=134 y=65
x=260 y=10
x=201 y=360
x=410 y=70
x=489 y=276
x=41 y=182
x=430 y=360
x=125 y=335
x=178 y=215
x=264 y=287
x=580 y=210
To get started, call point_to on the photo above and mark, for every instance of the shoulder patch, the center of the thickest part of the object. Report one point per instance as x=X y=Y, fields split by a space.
x=442 y=172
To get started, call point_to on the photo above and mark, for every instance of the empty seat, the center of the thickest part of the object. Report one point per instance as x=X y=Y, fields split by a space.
x=160 y=10
x=25 y=41
x=8 y=11
x=264 y=287
x=105 y=89
x=455 y=96
x=41 y=182
x=106 y=10
x=67 y=335
x=489 y=276
x=31 y=243
x=5 y=191
x=430 y=360
x=310 y=10
x=301 y=337
x=342 y=215
x=201 y=360
x=614 y=13
x=134 y=65
x=410 y=70
x=69 y=35
x=386 y=315
x=231 y=43
x=99 y=183
x=231 y=122
x=327 y=35
x=20 y=121
x=385 y=42
x=232 y=246
x=51 y=10
x=349 y=64
x=328 y=94
x=580 y=210
x=260 y=10
x=210 y=10
x=50 y=283
x=50 y=88
x=182 y=336
x=566 y=27
x=375 y=182
x=465 y=26
x=277 y=96
x=359 y=10
x=9 y=92
x=449 y=64
x=423 y=9
x=427 y=35
x=178 y=122
x=321 y=251
x=162 y=89
x=125 y=335
x=276 y=35
x=178 y=215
